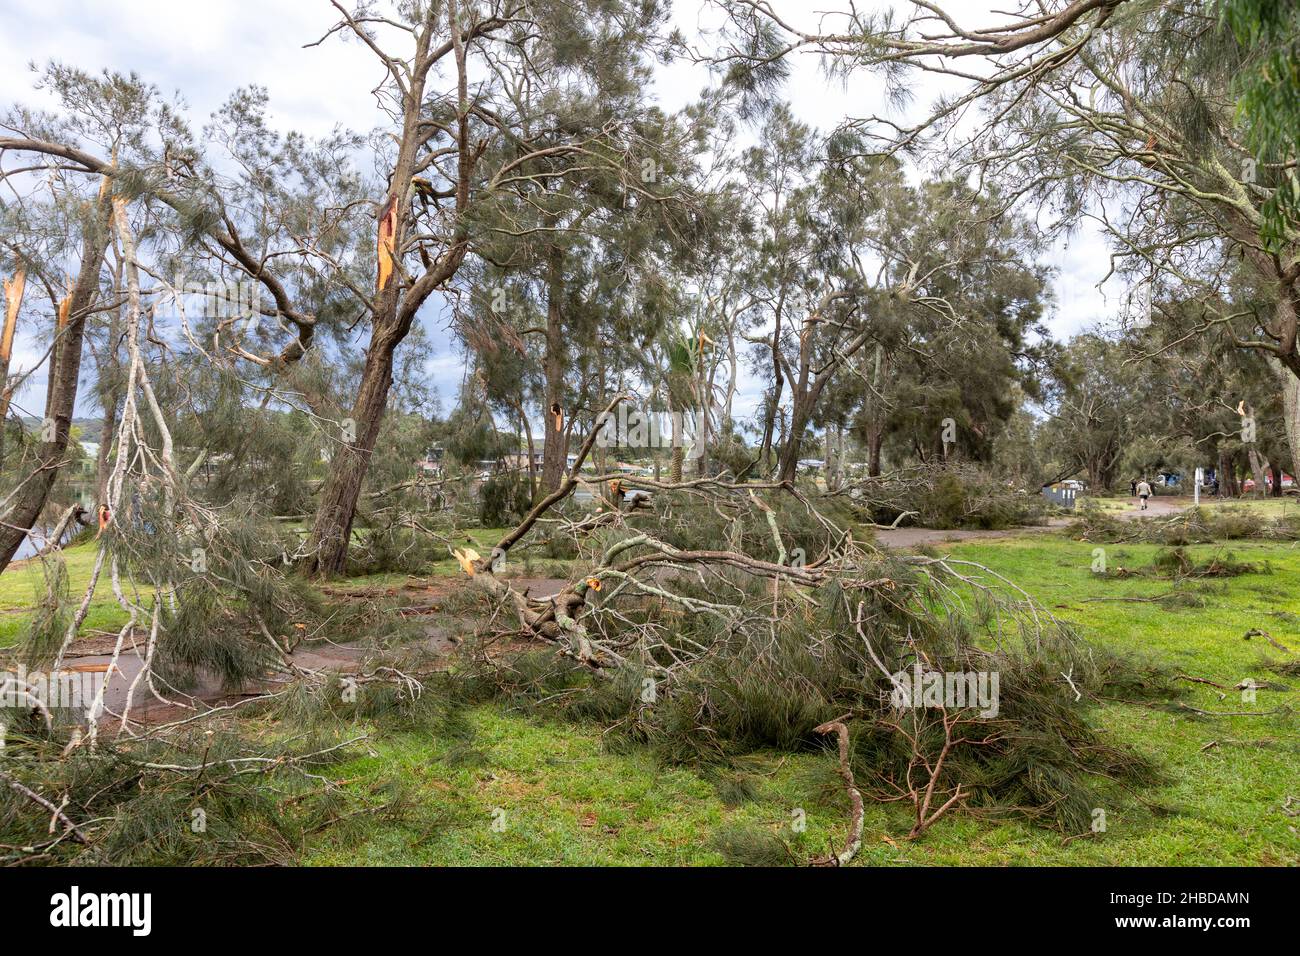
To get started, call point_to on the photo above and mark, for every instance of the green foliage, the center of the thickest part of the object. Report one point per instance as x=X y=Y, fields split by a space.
x=955 y=496
x=1039 y=757
x=1193 y=526
x=48 y=626
x=750 y=846
x=503 y=501
x=151 y=805
x=677 y=519
x=1176 y=563
x=1268 y=89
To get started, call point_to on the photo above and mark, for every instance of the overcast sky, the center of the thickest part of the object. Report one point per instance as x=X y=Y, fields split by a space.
x=206 y=50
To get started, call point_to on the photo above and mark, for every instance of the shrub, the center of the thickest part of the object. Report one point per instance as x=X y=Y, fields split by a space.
x=503 y=502
x=948 y=498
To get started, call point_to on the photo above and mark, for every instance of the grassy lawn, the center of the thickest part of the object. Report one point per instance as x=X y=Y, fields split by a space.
x=564 y=799
x=23 y=584
x=1227 y=796
x=1108 y=504
x=557 y=795
x=1273 y=507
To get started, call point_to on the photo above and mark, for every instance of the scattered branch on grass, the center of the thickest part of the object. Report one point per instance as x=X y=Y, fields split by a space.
x=856 y=814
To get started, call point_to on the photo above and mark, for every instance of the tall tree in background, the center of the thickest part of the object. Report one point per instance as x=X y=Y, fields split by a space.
x=525 y=58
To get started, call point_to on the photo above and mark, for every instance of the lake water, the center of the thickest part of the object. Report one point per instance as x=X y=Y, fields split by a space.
x=81 y=492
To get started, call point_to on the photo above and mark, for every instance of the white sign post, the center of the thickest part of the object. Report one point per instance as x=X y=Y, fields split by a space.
x=1196 y=487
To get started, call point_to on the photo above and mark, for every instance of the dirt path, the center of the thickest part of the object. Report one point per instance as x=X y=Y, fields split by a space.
x=915 y=537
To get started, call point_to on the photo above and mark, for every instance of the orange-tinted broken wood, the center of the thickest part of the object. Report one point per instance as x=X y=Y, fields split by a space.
x=387 y=241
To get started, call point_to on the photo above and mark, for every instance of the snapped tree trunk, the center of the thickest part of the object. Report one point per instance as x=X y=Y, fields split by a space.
x=110 y=397
x=61 y=401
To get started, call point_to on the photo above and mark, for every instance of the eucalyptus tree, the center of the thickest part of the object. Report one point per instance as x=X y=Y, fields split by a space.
x=58 y=213
x=1139 y=133
x=928 y=297
x=476 y=95
x=970 y=335
x=455 y=134
x=579 y=248
x=1170 y=124
x=1097 y=400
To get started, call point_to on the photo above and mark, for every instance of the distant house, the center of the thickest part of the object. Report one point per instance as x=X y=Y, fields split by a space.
x=430 y=466
x=520 y=462
x=89 y=463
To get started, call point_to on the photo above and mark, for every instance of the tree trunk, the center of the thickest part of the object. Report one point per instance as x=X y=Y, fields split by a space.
x=110 y=397
x=831 y=458
x=801 y=406
x=875 y=438
x=105 y=440
x=394 y=309
x=12 y=301
x=704 y=411
x=778 y=385
x=1290 y=410
x=1257 y=471
x=65 y=370
x=528 y=469
x=1275 y=470
x=555 y=448
x=679 y=450
x=600 y=451
x=332 y=532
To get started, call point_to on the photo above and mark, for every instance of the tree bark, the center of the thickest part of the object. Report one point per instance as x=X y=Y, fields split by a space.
x=875 y=438
x=679 y=450
x=1257 y=471
x=65 y=370
x=1290 y=410
x=332 y=531
x=555 y=449
x=110 y=396
x=394 y=306
x=801 y=408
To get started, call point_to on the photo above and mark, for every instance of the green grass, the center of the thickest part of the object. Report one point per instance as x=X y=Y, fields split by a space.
x=557 y=798
x=568 y=800
x=1272 y=507
x=1228 y=797
x=23 y=583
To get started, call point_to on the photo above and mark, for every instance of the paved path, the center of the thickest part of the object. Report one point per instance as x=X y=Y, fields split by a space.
x=915 y=537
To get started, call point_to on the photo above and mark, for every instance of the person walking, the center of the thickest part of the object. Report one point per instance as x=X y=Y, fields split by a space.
x=1143 y=492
